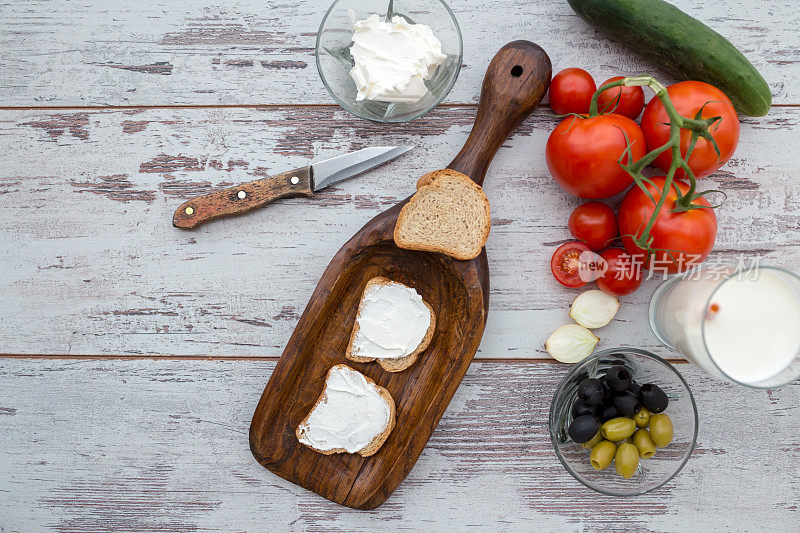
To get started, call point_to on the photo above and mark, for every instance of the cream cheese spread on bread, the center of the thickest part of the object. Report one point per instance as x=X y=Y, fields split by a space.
x=392 y=321
x=349 y=415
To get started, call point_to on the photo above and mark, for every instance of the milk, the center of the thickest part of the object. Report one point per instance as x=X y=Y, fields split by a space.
x=745 y=327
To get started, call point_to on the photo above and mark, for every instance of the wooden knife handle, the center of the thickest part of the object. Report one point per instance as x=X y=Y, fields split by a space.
x=243 y=198
x=514 y=84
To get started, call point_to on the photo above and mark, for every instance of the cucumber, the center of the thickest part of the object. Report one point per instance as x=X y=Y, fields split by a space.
x=682 y=45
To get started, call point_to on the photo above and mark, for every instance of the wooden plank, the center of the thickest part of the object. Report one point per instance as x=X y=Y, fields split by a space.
x=156 y=52
x=92 y=265
x=162 y=445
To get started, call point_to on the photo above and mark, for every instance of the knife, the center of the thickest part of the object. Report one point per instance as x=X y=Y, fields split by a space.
x=303 y=181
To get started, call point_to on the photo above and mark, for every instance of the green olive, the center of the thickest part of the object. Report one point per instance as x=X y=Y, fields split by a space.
x=642 y=418
x=627 y=460
x=602 y=454
x=660 y=429
x=590 y=443
x=643 y=443
x=618 y=429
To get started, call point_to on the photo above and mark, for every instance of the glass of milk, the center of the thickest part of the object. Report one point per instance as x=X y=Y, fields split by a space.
x=740 y=325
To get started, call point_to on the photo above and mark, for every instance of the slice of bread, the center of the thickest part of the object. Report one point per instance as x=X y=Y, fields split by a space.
x=349 y=377
x=448 y=214
x=390 y=364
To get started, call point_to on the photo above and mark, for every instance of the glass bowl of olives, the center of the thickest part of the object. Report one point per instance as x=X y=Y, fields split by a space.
x=623 y=422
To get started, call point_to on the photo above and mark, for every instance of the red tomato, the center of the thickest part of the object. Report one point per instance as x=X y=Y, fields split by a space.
x=571 y=91
x=689 y=235
x=565 y=264
x=594 y=223
x=583 y=154
x=628 y=101
x=624 y=272
x=688 y=97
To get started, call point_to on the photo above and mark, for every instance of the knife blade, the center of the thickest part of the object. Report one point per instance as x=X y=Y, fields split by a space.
x=304 y=181
x=336 y=169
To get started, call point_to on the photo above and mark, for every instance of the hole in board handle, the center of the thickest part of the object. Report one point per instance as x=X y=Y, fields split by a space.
x=516 y=71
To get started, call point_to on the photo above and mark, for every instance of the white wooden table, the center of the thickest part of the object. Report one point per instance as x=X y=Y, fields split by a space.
x=133 y=354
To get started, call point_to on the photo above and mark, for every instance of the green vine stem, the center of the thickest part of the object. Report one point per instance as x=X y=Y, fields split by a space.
x=699 y=128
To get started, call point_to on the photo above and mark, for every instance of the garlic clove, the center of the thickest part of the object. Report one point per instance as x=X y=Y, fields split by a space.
x=594 y=309
x=571 y=343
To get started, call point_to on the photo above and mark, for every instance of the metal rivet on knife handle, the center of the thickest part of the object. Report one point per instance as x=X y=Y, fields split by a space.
x=242 y=195
x=295 y=180
x=189 y=210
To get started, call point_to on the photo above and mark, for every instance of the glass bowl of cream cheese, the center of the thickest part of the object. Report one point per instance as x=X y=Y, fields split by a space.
x=389 y=60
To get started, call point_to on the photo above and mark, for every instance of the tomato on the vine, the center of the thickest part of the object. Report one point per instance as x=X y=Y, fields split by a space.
x=583 y=154
x=681 y=240
x=594 y=223
x=565 y=264
x=628 y=101
x=623 y=273
x=571 y=91
x=689 y=97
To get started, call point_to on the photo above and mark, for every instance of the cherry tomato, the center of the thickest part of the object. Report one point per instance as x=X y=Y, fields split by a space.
x=628 y=101
x=594 y=223
x=583 y=154
x=688 y=97
x=689 y=235
x=565 y=264
x=571 y=91
x=623 y=274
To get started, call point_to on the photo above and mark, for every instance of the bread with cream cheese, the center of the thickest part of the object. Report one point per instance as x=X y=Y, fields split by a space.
x=396 y=319
x=449 y=214
x=339 y=421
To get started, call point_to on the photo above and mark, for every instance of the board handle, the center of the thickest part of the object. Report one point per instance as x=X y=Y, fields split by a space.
x=514 y=84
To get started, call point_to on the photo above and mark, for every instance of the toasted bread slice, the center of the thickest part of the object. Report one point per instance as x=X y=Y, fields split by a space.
x=358 y=381
x=449 y=214
x=390 y=364
x=426 y=178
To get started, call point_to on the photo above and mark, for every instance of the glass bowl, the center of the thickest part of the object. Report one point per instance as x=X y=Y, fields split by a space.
x=334 y=60
x=653 y=472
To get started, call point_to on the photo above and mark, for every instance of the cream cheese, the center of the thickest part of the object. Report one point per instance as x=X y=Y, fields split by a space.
x=392 y=59
x=392 y=321
x=349 y=416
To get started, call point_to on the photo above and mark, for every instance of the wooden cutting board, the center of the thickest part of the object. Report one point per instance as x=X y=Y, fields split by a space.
x=458 y=291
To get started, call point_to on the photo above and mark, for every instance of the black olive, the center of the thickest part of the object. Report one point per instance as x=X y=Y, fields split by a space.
x=583 y=428
x=634 y=388
x=653 y=398
x=627 y=403
x=608 y=394
x=618 y=378
x=608 y=412
x=579 y=409
x=590 y=391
